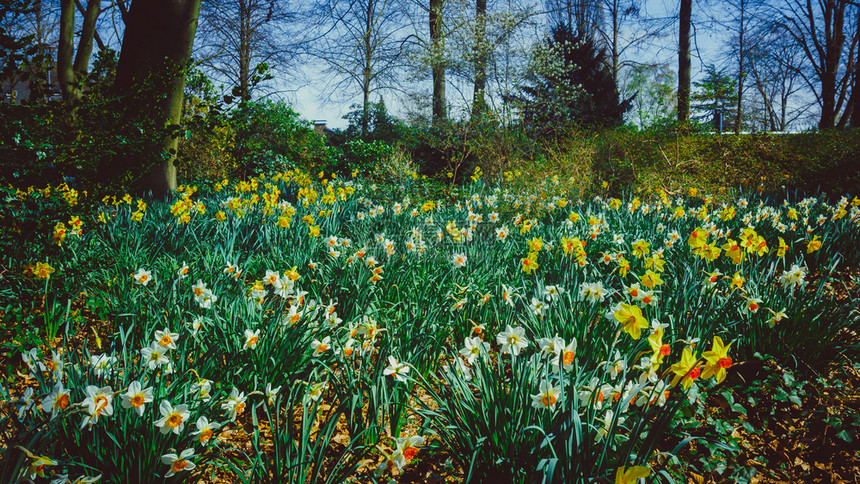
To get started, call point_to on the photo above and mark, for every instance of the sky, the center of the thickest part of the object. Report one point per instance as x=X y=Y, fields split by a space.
x=309 y=97
x=309 y=92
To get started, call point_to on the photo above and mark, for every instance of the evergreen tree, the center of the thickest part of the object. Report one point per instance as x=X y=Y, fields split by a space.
x=571 y=83
x=716 y=94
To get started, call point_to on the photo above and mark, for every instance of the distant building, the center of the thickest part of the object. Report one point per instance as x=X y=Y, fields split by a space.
x=20 y=88
x=320 y=128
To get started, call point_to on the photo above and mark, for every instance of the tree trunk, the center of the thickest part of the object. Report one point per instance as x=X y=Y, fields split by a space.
x=71 y=74
x=479 y=102
x=156 y=49
x=367 y=71
x=684 y=61
x=66 y=49
x=740 y=69
x=834 y=39
x=437 y=47
x=365 y=105
x=615 y=53
x=855 y=91
x=244 y=52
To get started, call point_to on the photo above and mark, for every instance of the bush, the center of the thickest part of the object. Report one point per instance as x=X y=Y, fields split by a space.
x=364 y=156
x=270 y=138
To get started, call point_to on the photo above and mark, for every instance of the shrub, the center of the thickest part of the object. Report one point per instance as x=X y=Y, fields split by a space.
x=270 y=137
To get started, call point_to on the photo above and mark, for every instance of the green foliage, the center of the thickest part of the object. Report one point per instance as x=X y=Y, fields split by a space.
x=717 y=93
x=293 y=308
x=364 y=156
x=16 y=52
x=570 y=84
x=380 y=124
x=88 y=143
x=270 y=138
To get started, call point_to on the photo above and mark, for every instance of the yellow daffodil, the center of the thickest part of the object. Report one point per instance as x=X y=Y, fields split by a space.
x=718 y=360
x=697 y=237
x=530 y=263
x=733 y=251
x=738 y=280
x=623 y=266
x=535 y=244
x=650 y=279
x=39 y=465
x=813 y=245
x=656 y=263
x=659 y=349
x=781 y=250
x=641 y=248
x=629 y=476
x=686 y=369
x=631 y=319
x=42 y=270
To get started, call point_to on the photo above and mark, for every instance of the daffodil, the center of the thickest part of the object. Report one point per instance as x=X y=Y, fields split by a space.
x=641 y=248
x=234 y=405
x=142 y=277
x=166 y=339
x=205 y=430
x=718 y=360
x=154 y=356
x=623 y=266
x=252 y=338
x=594 y=292
x=178 y=463
x=753 y=304
x=813 y=244
x=136 y=397
x=56 y=401
x=172 y=418
x=473 y=347
x=43 y=270
x=777 y=317
x=513 y=340
x=315 y=391
x=655 y=262
x=650 y=279
x=396 y=369
x=535 y=244
x=271 y=393
x=547 y=396
x=697 y=238
x=405 y=450
x=658 y=348
x=687 y=369
x=631 y=319
x=530 y=263
x=630 y=476
x=39 y=465
x=320 y=347
x=782 y=249
x=793 y=277
x=738 y=280
x=98 y=403
x=733 y=251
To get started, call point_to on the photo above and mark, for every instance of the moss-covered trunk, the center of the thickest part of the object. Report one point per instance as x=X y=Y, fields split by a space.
x=156 y=49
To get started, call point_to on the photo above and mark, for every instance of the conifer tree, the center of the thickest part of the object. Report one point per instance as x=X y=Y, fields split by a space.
x=571 y=83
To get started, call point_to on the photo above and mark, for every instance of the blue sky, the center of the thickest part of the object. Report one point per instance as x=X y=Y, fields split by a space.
x=309 y=98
